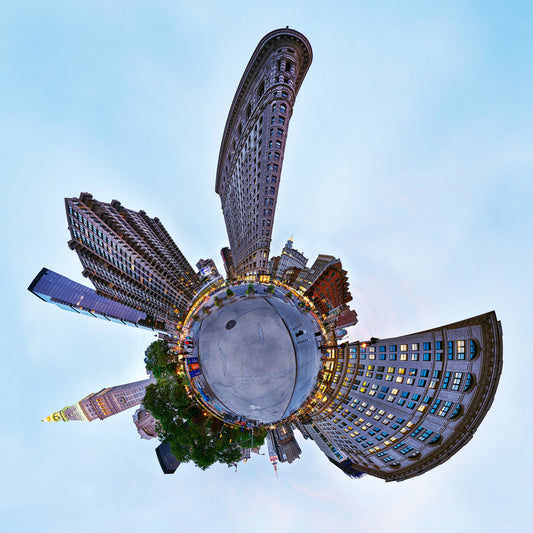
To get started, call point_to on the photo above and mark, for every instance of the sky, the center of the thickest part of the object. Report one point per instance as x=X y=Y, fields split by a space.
x=408 y=156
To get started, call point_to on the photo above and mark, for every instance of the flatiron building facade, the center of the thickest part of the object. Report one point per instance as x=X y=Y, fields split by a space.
x=253 y=145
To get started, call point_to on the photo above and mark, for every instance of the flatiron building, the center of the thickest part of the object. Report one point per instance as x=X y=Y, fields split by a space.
x=253 y=145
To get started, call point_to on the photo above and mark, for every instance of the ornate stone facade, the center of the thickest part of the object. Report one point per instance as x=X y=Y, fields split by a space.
x=253 y=144
x=103 y=404
x=396 y=408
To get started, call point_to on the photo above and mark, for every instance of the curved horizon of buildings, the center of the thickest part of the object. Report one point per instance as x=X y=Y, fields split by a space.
x=391 y=408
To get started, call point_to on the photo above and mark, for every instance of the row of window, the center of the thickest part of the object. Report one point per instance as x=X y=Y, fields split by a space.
x=455 y=350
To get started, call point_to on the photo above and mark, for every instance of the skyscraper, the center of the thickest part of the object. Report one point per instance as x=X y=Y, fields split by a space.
x=103 y=404
x=72 y=296
x=253 y=144
x=396 y=408
x=227 y=258
x=305 y=280
x=130 y=258
x=290 y=257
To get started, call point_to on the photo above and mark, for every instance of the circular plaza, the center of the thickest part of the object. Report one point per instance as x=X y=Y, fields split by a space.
x=257 y=353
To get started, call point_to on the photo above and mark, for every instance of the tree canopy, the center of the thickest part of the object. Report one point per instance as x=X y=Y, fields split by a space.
x=193 y=434
x=158 y=360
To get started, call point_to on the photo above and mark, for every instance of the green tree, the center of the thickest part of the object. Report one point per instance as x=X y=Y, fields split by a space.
x=193 y=434
x=158 y=360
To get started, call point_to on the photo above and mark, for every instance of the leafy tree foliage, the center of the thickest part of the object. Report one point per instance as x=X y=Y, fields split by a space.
x=193 y=434
x=158 y=360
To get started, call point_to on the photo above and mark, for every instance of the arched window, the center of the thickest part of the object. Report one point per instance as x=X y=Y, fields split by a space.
x=469 y=382
x=435 y=440
x=458 y=411
x=474 y=349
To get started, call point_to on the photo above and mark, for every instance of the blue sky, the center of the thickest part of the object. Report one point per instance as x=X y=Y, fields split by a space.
x=409 y=157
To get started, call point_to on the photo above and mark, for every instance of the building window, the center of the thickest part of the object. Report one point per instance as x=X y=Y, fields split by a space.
x=468 y=382
x=427 y=356
x=446 y=407
x=414 y=357
x=450 y=350
x=457 y=411
x=435 y=406
x=427 y=346
x=403 y=347
x=424 y=372
x=473 y=349
x=457 y=381
x=435 y=440
x=414 y=346
x=460 y=350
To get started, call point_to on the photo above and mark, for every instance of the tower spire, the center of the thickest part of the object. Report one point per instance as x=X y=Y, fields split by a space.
x=107 y=402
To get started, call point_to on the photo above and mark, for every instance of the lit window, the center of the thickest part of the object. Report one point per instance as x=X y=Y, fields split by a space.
x=460 y=349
